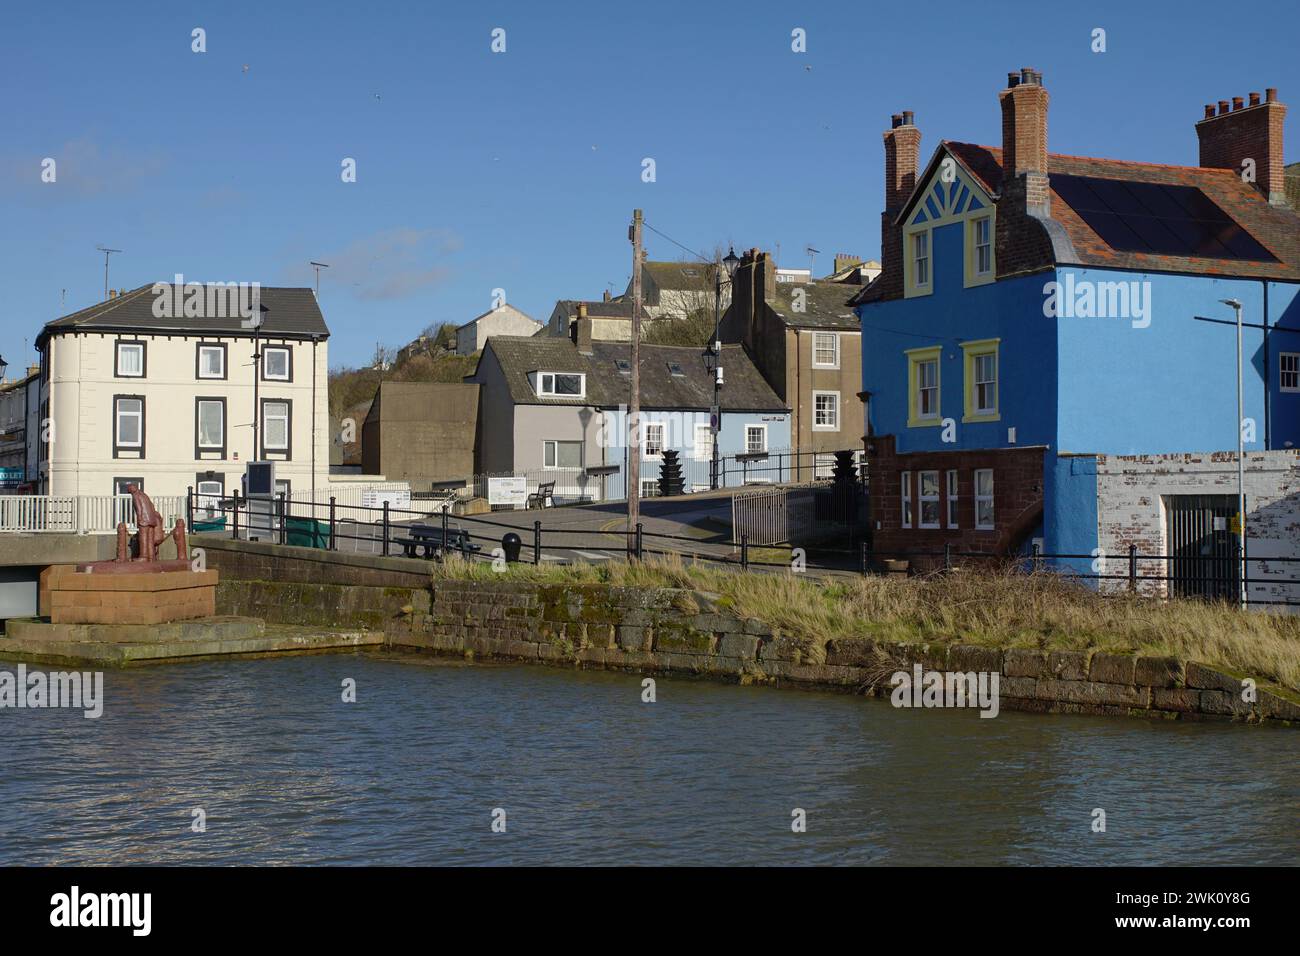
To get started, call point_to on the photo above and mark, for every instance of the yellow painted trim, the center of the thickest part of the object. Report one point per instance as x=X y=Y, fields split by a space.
x=910 y=287
x=971 y=277
x=970 y=350
x=914 y=358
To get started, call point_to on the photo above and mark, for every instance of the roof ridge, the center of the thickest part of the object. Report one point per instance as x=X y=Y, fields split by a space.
x=1101 y=159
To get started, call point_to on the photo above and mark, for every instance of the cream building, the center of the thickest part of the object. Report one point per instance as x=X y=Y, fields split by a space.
x=156 y=386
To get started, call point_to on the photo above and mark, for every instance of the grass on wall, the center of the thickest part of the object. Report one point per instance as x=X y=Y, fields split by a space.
x=993 y=608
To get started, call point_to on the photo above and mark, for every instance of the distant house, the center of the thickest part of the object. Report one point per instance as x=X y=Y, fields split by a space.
x=611 y=319
x=805 y=339
x=853 y=270
x=551 y=405
x=507 y=320
x=420 y=432
x=677 y=290
x=19 y=428
x=164 y=397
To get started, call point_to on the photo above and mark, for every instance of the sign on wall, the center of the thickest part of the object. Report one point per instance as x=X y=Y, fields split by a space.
x=508 y=491
x=396 y=498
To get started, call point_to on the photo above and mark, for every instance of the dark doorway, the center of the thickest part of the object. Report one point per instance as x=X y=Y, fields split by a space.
x=1203 y=547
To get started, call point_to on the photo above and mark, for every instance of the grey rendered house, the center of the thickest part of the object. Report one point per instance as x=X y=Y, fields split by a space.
x=550 y=405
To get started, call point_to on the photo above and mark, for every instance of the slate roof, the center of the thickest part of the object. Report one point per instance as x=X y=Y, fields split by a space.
x=744 y=390
x=287 y=313
x=1277 y=229
x=519 y=312
x=678 y=275
x=826 y=305
x=598 y=309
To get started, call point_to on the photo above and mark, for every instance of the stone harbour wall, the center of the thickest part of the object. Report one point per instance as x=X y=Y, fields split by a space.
x=691 y=633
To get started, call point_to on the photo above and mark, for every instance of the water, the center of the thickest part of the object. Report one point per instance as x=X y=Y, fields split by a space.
x=587 y=773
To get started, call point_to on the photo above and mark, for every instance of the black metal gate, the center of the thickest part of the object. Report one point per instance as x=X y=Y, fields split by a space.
x=1203 y=547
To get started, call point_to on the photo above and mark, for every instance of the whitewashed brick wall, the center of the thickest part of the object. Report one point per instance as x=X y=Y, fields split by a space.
x=1131 y=510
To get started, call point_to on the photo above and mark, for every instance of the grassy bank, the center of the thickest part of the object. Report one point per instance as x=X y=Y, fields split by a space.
x=996 y=609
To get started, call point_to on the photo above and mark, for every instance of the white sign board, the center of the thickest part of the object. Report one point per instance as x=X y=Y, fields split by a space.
x=396 y=498
x=508 y=491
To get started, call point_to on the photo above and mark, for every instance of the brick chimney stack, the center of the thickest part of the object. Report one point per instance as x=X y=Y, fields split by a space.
x=1240 y=132
x=582 y=330
x=1024 y=135
x=902 y=161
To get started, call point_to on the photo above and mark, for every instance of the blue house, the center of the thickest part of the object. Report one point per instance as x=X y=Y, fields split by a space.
x=1039 y=314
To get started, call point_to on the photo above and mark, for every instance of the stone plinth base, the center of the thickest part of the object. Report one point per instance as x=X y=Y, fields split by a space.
x=68 y=596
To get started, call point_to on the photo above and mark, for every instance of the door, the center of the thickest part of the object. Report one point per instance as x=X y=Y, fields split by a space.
x=1203 y=547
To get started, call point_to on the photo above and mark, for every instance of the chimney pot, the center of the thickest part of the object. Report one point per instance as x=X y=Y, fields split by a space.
x=1270 y=94
x=907 y=118
x=1013 y=80
x=1209 y=110
x=1026 y=75
x=1223 y=107
x=1254 y=99
x=896 y=120
x=1237 y=103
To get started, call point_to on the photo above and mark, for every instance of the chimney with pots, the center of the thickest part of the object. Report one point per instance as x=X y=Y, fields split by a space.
x=1233 y=135
x=902 y=159
x=1024 y=136
x=582 y=330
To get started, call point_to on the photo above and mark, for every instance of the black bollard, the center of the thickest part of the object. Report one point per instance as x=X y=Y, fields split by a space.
x=511 y=544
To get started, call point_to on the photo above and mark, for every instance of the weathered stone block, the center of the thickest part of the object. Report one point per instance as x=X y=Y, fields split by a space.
x=738 y=645
x=1111 y=668
x=1225 y=702
x=634 y=638
x=1277 y=707
x=1023 y=662
x=1093 y=692
x=967 y=657
x=757 y=627
x=1158 y=671
x=1178 y=699
x=1207 y=678
x=852 y=651
x=782 y=648
x=682 y=641
x=1068 y=665
x=1018 y=687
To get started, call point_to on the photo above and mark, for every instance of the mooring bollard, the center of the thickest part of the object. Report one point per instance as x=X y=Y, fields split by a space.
x=334 y=544
x=537 y=542
x=744 y=552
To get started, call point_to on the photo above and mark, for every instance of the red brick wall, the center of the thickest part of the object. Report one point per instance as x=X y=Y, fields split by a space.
x=1017 y=498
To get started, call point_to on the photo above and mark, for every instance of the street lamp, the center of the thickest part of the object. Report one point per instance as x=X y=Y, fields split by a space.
x=3 y=366
x=730 y=261
x=1241 y=467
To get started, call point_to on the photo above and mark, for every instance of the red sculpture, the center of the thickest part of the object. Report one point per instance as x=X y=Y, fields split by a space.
x=149 y=535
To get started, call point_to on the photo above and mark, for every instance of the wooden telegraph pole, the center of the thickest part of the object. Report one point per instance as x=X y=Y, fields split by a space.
x=634 y=404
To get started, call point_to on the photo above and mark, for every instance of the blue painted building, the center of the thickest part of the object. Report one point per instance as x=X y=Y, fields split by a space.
x=1036 y=311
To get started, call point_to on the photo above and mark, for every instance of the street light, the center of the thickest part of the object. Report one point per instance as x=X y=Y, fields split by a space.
x=3 y=366
x=730 y=261
x=1241 y=467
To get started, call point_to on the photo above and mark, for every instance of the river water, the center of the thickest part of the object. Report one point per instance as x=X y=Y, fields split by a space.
x=411 y=773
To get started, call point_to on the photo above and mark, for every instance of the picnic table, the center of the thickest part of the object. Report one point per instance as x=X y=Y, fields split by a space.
x=428 y=541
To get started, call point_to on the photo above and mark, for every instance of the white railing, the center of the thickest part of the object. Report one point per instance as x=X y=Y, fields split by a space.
x=80 y=514
x=778 y=516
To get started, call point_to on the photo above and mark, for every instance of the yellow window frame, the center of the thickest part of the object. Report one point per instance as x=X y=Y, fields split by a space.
x=914 y=359
x=970 y=352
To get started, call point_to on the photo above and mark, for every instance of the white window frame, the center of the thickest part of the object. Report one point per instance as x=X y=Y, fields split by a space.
x=288 y=363
x=922 y=388
x=117 y=359
x=749 y=429
x=546 y=385
x=921 y=256
x=662 y=431
x=118 y=415
x=649 y=487
x=707 y=432
x=923 y=499
x=952 y=498
x=198 y=425
x=823 y=466
x=816 y=413
x=834 y=349
x=906 y=496
x=1293 y=359
x=554 y=444
x=220 y=350
x=984 y=499
x=985 y=247
x=288 y=424
x=209 y=501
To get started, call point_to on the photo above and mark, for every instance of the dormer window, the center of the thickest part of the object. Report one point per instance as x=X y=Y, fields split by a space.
x=561 y=384
x=623 y=365
x=675 y=369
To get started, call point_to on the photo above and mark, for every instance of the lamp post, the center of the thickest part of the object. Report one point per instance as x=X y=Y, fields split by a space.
x=3 y=367
x=730 y=261
x=1241 y=467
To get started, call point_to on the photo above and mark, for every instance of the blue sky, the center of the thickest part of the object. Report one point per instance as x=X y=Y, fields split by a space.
x=520 y=170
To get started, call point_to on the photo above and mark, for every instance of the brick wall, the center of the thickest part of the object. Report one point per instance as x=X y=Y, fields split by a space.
x=1017 y=498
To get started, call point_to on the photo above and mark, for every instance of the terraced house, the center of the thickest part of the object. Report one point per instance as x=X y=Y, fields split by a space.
x=1047 y=354
x=166 y=401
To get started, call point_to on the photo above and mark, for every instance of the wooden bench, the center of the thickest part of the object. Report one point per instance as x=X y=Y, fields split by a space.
x=542 y=497
x=427 y=539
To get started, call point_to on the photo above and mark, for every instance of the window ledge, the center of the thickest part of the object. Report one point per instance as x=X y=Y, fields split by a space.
x=981 y=417
x=924 y=422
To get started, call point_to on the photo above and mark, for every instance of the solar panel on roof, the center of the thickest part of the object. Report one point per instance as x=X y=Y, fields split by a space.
x=1157 y=218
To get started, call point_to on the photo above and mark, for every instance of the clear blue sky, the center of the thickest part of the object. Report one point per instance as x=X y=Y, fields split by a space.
x=520 y=170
